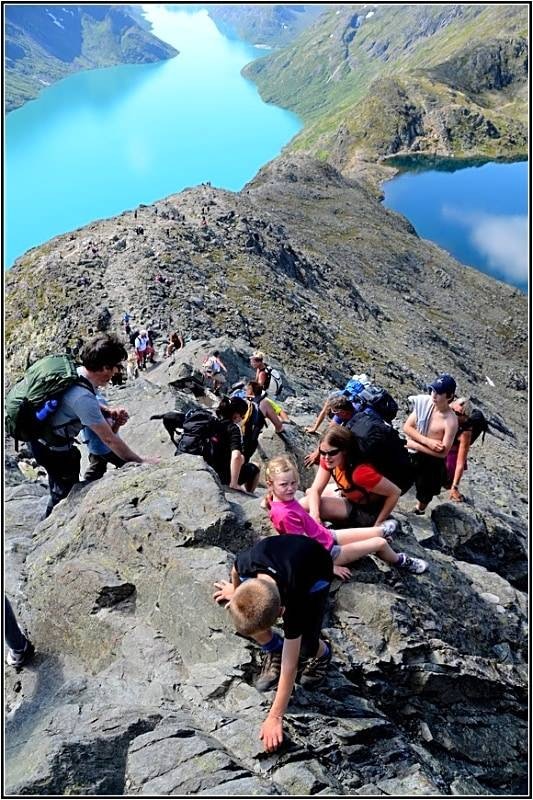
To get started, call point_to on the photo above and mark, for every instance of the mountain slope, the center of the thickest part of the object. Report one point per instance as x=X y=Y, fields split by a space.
x=269 y=24
x=383 y=79
x=45 y=43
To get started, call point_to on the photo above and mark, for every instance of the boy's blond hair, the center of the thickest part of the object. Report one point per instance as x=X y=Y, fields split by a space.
x=255 y=606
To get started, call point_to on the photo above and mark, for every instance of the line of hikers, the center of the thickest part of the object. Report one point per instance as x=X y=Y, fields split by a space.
x=363 y=467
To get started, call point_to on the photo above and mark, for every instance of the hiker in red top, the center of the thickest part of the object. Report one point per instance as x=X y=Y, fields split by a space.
x=362 y=497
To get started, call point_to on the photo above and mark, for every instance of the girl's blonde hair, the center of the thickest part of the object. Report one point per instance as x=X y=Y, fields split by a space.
x=276 y=466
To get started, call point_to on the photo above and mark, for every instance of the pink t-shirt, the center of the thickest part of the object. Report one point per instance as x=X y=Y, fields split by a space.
x=290 y=517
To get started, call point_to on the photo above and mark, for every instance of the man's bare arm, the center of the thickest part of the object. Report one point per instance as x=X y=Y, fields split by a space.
x=118 y=445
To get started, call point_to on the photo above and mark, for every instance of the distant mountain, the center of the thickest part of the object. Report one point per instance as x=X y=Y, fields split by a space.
x=266 y=23
x=375 y=80
x=45 y=43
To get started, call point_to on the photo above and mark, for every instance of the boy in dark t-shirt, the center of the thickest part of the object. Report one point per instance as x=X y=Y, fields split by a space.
x=287 y=576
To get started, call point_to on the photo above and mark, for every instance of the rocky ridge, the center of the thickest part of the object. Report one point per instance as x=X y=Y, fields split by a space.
x=140 y=687
x=303 y=263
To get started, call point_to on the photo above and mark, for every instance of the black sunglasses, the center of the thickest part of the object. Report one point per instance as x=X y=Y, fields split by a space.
x=329 y=453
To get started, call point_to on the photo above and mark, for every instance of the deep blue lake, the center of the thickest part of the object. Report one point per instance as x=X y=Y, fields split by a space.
x=105 y=140
x=477 y=213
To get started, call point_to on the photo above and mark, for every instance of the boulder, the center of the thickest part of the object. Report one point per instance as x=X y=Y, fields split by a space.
x=492 y=539
x=139 y=685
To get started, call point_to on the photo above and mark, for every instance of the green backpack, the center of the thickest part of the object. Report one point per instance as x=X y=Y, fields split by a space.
x=47 y=379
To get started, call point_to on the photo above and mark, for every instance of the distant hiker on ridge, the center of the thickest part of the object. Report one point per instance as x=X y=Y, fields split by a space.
x=213 y=367
x=175 y=342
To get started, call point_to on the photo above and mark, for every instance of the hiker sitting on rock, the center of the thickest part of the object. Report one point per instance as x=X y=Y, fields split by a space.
x=346 y=545
x=175 y=342
x=362 y=495
x=78 y=408
x=287 y=576
x=229 y=460
x=431 y=429
x=255 y=394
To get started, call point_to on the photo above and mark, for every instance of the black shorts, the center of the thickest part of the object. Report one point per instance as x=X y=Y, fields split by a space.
x=430 y=476
x=248 y=473
x=363 y=516
x=316 y=605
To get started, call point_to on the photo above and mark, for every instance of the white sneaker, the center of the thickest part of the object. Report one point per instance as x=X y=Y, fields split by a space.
x=415 y=565
x=389 y=528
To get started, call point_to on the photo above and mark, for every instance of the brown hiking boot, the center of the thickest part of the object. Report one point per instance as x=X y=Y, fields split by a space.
x=270 y=671
x=314 y=670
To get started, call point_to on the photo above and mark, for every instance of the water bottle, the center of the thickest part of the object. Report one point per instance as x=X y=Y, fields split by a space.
x=48 y=408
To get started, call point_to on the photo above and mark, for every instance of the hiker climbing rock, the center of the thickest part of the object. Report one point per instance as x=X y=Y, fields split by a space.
x=63 y=412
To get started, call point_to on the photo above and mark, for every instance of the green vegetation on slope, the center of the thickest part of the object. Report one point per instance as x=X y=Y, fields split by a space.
x=449 y=79
x=46 y=43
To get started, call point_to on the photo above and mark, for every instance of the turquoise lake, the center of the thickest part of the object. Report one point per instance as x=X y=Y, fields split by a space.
x=478 y=213
x=102 y=141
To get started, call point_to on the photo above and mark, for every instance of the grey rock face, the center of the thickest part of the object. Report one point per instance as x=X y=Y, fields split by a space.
x=138 y=684
x=494 y=540
x=140 y=687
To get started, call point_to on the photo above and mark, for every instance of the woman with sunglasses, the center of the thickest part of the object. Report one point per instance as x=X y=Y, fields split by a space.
x=362 y=496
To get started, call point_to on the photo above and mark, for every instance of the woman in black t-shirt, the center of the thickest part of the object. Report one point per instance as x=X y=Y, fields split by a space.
x=230 y=463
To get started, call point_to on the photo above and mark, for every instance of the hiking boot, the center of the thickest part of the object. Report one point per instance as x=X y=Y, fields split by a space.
x=415 y=565
x=389 y=528
x=314 y=670
x=270 y=671
x=17 y=658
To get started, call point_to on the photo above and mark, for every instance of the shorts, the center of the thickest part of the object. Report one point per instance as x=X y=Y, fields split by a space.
x=363 y=516
x=430 y=476
x=335 y=551
x=247 y=473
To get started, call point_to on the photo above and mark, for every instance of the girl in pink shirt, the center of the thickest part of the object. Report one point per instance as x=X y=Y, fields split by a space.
x=345 y=546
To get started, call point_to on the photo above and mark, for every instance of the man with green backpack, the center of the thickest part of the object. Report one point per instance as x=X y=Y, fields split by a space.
x=55 y=399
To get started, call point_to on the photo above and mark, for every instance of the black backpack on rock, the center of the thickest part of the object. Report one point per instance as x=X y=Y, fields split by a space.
x=381 y=446
x=253 y=423
x=200 y=437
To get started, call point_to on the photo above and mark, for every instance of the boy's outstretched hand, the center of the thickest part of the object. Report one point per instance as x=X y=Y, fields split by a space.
x=224 y=591
x=272 y=733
